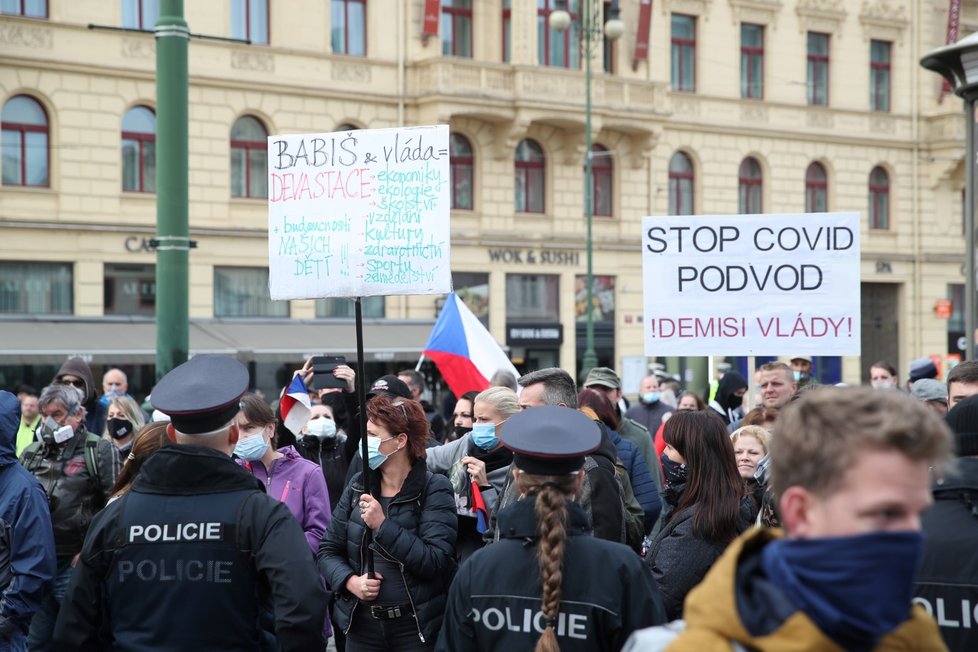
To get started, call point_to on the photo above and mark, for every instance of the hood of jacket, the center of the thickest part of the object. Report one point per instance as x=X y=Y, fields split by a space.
x=185 y=470
x=78 y=367
x=963 y=478
x=730 y=383
x=9 y=424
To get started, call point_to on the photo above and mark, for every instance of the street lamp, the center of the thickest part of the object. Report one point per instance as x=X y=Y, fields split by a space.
x=591 y=33
x=958 y=64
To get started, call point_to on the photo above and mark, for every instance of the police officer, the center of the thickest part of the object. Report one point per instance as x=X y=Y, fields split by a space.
x=195 y=553
x=548 y=583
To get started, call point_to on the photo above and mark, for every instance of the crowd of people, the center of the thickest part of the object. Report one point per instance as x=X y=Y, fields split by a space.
x=533 y=514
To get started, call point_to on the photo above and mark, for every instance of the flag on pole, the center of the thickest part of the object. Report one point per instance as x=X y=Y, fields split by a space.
x=463 y=350
x=295 y=405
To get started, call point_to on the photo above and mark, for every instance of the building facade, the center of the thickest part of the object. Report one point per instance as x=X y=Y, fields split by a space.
x=701 y=107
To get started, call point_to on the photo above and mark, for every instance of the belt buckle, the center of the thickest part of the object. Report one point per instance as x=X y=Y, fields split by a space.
x=381 y=612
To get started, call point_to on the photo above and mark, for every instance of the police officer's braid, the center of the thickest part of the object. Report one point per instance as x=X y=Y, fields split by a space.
x=552 y=494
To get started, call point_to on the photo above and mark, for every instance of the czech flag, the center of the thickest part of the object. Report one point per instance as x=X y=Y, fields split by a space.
x=295 y=405
x=479 y=506
x=463 y=350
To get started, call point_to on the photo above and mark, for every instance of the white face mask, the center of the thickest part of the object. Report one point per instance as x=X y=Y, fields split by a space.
x=322 y=428
x=883 y=384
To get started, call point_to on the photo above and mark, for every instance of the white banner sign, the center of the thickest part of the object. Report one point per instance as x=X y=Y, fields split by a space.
x=359 y=213
x=751 y=284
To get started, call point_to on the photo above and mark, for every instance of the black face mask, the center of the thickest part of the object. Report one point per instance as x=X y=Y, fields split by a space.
x=119 y=428
x=734 y=402
x=674 y=473
x=461 y=431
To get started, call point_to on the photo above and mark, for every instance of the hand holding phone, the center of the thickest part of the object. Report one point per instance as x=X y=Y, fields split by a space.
x=322 y=372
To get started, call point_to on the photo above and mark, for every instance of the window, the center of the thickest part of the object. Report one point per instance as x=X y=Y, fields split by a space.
x=249 y=20
x=249 y=158
x=456 y=28
x=531 y=168
x=879 y=75
x=602 y=298
x=752 y=61
x=243 y=292
x=460 y=154
x=130 y=289
x=28 y=8
x=26 y=157
x=816 y=189
x=560 y=49
x=680 y=185
x=139 y=150
x=818 y=69
x=35 y=288
x=349 y=27
x=532 y=297
x=473 y=289
x=140 y=14
x=751 y=183
x=683 y=53
x=602 y=178
x=879 y=199
x=507 y=31
x=370 y=307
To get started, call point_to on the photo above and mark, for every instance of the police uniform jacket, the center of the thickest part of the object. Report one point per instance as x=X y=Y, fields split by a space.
x=418 y=534
x=188 y=560
x=947 y=584
x=494 y=603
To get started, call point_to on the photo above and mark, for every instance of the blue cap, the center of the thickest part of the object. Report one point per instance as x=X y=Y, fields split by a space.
x=202 y=394
x=550 y=440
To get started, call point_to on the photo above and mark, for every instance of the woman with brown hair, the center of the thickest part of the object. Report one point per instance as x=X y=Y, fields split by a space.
x=147 y=441
x=706 y=505
x=410 y=514
x=548 y=585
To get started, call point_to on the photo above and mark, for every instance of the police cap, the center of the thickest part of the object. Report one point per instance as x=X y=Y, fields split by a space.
x=550 y=440
x=202 y=394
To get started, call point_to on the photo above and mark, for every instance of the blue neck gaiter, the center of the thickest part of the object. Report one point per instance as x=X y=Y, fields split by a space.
x=856 y=589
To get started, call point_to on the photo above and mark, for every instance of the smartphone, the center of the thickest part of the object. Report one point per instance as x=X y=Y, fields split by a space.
x=322 y=372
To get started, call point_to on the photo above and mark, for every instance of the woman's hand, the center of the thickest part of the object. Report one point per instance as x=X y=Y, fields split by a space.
x=363 y=587
x=306 y=372
x=345 y=372
x=476 y=469
x=371 y=512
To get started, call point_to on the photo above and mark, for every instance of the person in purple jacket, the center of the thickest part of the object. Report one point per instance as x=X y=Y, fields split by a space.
x=287 y=476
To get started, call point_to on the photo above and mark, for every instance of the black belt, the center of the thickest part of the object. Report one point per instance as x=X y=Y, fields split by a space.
x=390 y=612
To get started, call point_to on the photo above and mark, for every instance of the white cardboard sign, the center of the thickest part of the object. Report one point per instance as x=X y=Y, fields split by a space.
x=359 y=213
x=751 y=284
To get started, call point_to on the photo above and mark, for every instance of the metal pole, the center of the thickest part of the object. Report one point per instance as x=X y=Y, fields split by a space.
x=172 y=224
x=590 y=357
x=365 y=456
x=969 y=229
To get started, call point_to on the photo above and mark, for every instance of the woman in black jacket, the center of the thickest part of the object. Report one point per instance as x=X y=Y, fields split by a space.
x=704 y=505
x=411 y=516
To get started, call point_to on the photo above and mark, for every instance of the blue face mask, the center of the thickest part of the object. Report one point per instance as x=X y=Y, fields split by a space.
x=375 y=457
x=874 y=598
x=484 y=435
x=251 y=448
x=797 y=375
x=650 y=397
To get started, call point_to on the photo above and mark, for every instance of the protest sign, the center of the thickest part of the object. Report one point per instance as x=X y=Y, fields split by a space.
x=751 y=284
x=359 y=213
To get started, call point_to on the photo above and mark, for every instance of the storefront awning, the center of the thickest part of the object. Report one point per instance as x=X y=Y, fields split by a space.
x=112 y=340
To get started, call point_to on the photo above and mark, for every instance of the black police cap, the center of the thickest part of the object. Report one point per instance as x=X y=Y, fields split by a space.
x=550 y=440
x=202 y=394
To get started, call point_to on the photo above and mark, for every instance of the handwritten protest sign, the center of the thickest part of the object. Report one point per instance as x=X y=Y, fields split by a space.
x=359 y=213
x=751 y=284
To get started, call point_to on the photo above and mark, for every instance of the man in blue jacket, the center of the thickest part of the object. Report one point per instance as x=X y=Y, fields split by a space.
x=27 y=562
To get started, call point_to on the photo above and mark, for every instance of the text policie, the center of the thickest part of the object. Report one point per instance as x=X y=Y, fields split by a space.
x=785 y=277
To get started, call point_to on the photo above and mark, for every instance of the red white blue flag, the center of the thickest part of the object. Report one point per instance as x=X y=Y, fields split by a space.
x=479 y=507
x=463 y=350
x=295 y=405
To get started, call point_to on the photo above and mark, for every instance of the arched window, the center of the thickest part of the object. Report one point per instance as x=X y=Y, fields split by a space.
x=680 y=185
x=531 y=169
x=139 y=150
x=249 y=158
x=879 y=199
x=602 y=179
x=816 y=189
x=346 y=126
x=463 y=165
x=750 y=180
x=26 y=157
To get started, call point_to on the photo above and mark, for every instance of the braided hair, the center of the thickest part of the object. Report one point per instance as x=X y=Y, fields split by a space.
x=552 y=492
